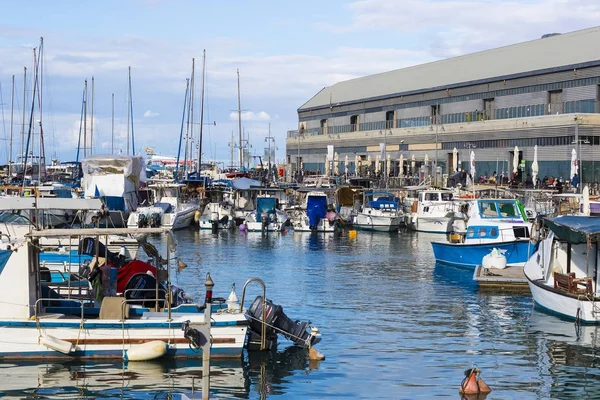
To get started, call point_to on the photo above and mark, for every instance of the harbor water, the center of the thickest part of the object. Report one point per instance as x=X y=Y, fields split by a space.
x=394 y=326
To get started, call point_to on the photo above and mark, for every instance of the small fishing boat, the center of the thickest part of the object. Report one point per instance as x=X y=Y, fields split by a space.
x=563 y=272
x=171 y=210
x=267 y=217
x=380 y=211
x=315 y=215
x=492 y=224
x=218 y=211
x=129 y=311
x=434 y=211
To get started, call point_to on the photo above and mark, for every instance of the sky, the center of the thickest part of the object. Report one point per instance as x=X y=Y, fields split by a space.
x=285 y=53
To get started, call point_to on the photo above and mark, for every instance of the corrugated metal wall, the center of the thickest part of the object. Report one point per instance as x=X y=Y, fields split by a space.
x=525 y=99
x=580 y=93
x=463 y=106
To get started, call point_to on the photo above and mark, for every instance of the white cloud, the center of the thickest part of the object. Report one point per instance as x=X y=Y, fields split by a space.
x=250 y=116
x=150 y=114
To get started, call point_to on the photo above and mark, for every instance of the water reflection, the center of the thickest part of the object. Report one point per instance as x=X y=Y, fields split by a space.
x=259 y=372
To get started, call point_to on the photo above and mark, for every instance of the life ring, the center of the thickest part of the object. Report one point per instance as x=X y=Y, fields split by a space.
x=534 y=235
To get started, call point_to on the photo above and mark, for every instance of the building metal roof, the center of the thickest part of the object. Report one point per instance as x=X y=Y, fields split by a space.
x=574 y=49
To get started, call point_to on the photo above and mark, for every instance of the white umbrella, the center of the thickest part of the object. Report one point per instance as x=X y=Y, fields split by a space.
x=388 y=165
x=336 y=164
x=573 y=163
x=473 y=170
x=455 y=160
x=586 y=201
x=346 y=163
x=369 y=161
x=401 y=168
x=412 y=164
x=535 y=168
x=377 y=160
x=516 y=160
x=426 y=158
x=356 y=164
x=326 y=165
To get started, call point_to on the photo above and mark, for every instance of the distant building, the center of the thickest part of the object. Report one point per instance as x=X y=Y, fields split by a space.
x=543 y=92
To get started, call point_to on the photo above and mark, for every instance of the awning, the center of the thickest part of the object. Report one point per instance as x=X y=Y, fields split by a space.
x=48 y=203
x=575 y=229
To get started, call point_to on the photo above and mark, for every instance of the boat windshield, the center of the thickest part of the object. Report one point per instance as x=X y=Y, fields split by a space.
x=8 y=217
x=498 y=209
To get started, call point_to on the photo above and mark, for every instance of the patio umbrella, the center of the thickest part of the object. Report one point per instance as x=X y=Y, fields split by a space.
x=326 y=165
x=412 y=164
x=401 y=169
x=377 y=160
x=455 y=160
x=356 y=164
x=426 y=159
x=388 y=165
x=573 y=163
x=346 y=163
x=516 y=160
x=586 y=201
x=336 y=164
x=473 y=170
x=369 y=161
x=535 y=168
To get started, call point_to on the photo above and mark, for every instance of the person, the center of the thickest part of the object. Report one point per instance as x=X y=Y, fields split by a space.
x=559 y=186
x=529 y=181
x=545 y=181
x=575 y=182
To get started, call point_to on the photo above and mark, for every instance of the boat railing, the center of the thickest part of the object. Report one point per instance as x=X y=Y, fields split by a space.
x=263 y=336
x=54 y=299
x=155 y=300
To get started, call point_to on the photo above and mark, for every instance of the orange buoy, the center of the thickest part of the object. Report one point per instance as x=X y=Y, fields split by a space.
x=473 y=384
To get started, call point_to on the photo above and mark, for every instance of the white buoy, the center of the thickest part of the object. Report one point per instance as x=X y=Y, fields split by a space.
x=146 y=351
x=232 y=300
x=494 y=260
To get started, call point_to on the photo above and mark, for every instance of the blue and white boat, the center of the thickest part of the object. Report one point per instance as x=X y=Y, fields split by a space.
x=315 y=215
x=492 y=224
x=380 y=212
x=267 y=217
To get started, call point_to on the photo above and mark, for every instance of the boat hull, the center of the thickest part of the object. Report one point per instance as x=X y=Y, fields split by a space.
x=106 y=339
x=377 y=223
x=432 y=224
x=563 y=304
x=469 y=255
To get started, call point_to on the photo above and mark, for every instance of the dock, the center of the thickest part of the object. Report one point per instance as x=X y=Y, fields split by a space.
x=509 y=279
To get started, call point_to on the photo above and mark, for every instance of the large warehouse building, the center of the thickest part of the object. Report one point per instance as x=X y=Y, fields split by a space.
x=543 y=92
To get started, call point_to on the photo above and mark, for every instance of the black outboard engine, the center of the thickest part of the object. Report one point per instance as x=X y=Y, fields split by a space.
x=277 y=322
x=155 y=220
x=142 y=220
x=142 y=287
x=264 y=219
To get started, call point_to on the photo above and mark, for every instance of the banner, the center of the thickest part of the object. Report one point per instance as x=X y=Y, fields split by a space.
x=330 y=152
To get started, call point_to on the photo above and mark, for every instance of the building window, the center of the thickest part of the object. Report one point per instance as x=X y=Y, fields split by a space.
x=323 y=125
x=354 y=123
x=389 y=119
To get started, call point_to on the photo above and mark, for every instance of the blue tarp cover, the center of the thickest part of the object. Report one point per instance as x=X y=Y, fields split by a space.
x=265 y=205
x=574 y=229
x=316 y=209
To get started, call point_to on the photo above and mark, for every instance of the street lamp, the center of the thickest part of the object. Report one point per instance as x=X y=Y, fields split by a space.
x=268 y=139
x=435 y=119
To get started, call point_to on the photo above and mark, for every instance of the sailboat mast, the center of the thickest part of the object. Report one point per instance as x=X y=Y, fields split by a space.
x=191 y=130
x=112 y=127
x=10 y=143
x=42 y=164
x=199 y=169
x=92 y=122
x=23 y=120
x=85 y=96
x=240 y=120
x=232 y=147
x=128 y=108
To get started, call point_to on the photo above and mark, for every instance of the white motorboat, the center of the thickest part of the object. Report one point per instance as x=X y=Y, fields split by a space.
x=562 y=273
x=170 y=210
x=315 y=215
x=267 y=217
x=380 y=211
x=434 y=211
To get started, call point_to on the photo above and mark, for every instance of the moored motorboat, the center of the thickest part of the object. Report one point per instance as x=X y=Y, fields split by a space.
x=499 y=224
x=562 y=273
x=380 y=211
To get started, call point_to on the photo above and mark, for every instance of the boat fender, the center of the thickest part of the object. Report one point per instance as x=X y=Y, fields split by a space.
x=197 y=216
x=534 y=235
x=194 y=336
x=315 y=355
x=146 y=351
x=53 y=343
x=472 y=383
x=232 y=300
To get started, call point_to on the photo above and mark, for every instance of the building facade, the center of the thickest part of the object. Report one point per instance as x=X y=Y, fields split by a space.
x=543 y=93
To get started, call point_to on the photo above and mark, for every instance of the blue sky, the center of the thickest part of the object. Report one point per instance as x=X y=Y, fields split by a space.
x=285 y=51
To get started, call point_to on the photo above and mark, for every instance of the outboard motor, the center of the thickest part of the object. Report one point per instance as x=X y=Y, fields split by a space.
x=142 y=287
x=264 y=219
x=214 y=221
x=155 y=220
x=277 y=322
x=142 y=220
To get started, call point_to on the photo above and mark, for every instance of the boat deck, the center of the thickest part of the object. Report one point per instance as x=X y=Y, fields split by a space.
x=510 y=279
